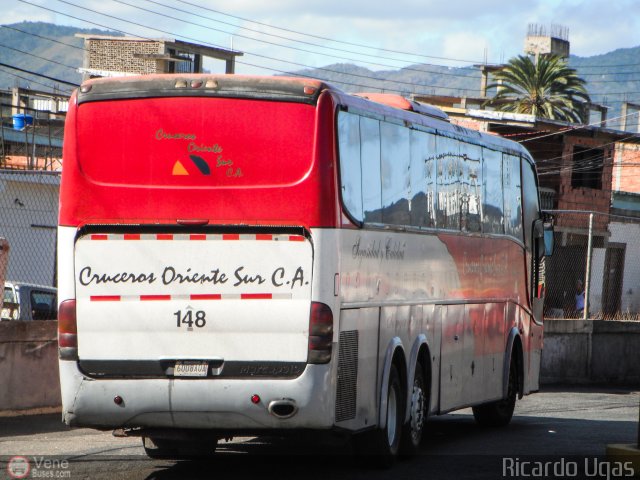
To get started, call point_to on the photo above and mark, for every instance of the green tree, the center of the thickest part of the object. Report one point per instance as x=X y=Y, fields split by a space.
x=547 y=88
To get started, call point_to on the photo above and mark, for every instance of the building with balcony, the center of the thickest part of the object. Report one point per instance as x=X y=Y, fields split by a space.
x=109 y=56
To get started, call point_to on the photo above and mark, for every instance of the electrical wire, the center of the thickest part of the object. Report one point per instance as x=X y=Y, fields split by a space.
x=29 y=79
x=43 y=37
x=318 y=37
x=39 y=75
x=238 y=61
x=298 y=41
x=39 y=57
x=368 y=77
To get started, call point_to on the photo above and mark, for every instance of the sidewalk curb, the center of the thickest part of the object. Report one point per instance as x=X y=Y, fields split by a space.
x=30 y=411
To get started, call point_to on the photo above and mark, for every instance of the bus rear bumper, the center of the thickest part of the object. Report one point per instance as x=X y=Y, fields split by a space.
x=220 y=404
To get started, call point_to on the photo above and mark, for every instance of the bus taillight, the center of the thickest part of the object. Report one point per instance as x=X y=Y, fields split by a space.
x=67 y=331
x=320 y=333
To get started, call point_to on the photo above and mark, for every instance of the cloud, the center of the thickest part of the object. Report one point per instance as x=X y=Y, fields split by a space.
x=465 y=45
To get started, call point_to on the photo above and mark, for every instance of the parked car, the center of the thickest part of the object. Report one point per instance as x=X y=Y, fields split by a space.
x=26 y=301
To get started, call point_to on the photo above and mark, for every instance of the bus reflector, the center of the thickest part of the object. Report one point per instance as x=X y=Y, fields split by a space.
x=320 y=333
x=67 y=331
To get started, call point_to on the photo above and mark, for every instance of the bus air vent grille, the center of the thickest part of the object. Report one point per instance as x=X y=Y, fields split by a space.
x=347 y=376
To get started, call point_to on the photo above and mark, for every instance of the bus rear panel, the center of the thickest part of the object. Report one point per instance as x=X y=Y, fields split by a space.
x=187 y=259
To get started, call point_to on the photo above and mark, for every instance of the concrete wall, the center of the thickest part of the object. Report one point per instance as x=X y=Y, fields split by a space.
x=575 y=352
x=29 y=365
x=591 y=352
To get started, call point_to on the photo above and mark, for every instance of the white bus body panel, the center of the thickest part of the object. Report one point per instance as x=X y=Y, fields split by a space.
x=251 y=328
x=195 y=403
x=232 y=298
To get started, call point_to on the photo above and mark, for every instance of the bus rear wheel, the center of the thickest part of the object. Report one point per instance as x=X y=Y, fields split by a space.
x=170 y=449
x=383 y=445
x=412 y=431
x=499 y=413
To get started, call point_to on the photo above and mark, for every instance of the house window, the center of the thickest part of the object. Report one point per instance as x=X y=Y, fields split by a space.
x=587 y=167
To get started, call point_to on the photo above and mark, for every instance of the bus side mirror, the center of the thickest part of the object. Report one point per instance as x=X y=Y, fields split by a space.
x=543 y=238
x=548 y=239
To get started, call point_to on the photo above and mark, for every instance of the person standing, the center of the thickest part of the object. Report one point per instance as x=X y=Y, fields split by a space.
x=579 y=298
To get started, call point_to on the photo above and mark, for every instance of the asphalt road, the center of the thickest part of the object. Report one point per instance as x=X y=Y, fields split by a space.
x=568 y=427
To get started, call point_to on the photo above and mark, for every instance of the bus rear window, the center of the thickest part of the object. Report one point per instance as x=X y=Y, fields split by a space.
x=195 y=142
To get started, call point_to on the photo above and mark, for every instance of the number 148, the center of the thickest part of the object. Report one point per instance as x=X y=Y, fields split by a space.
x=187 y=318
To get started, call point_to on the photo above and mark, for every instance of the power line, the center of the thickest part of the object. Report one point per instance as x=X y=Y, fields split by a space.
x=252 y=53
x=306 y=34
x=29 y=79
x=53 y=79
x=279 y=44
x=40 y=36
x=368 y=77
x=318 y=37
x=38 y=56
x=294 y=40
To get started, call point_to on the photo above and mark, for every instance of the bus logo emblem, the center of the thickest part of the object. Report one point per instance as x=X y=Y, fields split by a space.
x=199 y=162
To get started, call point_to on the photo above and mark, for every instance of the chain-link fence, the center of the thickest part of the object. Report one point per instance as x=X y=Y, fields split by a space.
x=595 y=269
x=28 y=219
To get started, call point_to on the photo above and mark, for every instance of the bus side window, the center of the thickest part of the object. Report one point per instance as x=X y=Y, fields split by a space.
x=370 y=160
x=350 y=170
x=423 y=179
x=395 y=157
x=493 y=199
x=448 y=176
x=512 y=196
x=471 y=187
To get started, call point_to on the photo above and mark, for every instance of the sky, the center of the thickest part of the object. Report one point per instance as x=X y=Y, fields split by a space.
x=287 y=35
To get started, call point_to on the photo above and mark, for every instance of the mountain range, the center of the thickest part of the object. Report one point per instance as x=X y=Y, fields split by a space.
x=54 y=51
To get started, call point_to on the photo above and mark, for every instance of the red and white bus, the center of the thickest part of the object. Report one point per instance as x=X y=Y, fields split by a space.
x=240 y=255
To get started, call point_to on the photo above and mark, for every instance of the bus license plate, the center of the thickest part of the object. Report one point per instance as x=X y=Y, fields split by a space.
x=191 y=369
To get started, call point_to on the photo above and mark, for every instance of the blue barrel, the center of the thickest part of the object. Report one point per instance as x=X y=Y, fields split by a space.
x=20 y=120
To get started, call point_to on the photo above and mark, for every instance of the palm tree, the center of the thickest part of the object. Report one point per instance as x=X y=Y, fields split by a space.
x=545 y=88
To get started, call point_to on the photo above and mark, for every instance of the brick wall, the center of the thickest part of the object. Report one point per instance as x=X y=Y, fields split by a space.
x=626 y=169
x=20 y=162
x=119 y=55
x=589 y=199
x=469 y=123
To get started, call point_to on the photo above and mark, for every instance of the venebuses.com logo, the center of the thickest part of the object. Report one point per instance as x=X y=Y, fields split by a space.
x=20 y=466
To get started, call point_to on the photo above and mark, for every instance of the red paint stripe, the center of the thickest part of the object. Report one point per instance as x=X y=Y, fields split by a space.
x=105 y=298
x=132 y=236
x=256 y=296
x=99 y=236
x=197 y=236
x=145 y=298
x=296 y=238
x=264 y=236
x=206 y=296
x=164 y=236
x=230 y=236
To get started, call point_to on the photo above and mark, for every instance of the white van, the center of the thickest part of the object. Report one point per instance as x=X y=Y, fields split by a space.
x=27 y=301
